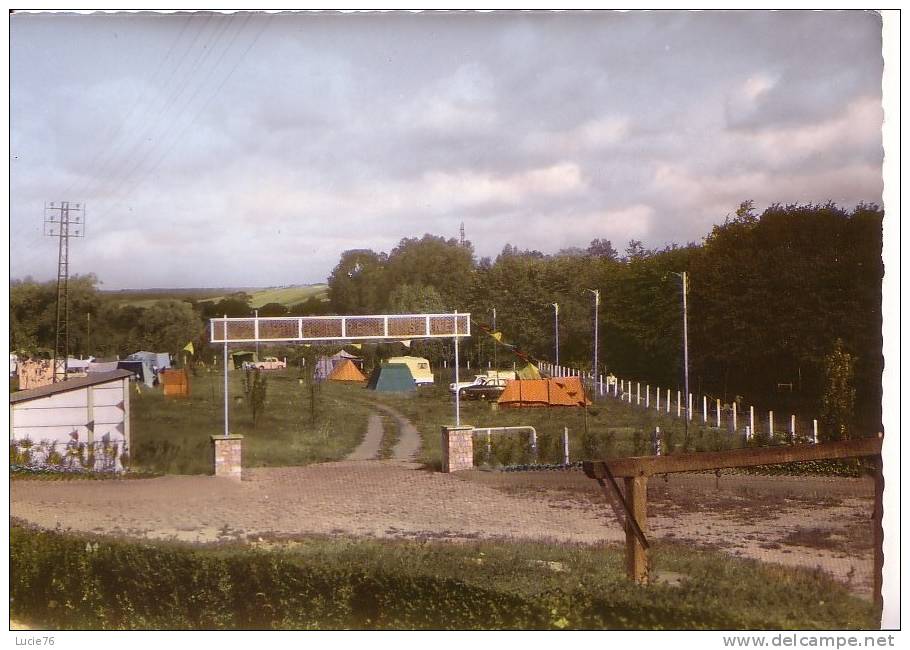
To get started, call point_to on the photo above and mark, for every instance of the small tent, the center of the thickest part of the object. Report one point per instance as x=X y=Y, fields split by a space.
x=562 y=391
x=176 y=382
x=528 y=371
x=392 y=377
x=326 y=364
x=346 y=371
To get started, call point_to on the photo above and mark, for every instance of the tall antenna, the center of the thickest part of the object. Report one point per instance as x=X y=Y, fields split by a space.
x=462 y=234
x=63 y=221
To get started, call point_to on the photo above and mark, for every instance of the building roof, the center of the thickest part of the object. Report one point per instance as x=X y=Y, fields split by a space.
x=68 y=385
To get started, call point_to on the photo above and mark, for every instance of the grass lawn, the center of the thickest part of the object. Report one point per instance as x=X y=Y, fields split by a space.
x=301 y=424
x=613 y=428
x=342 y=583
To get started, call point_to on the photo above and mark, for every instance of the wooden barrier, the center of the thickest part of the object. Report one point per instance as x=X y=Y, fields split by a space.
x=631 y=506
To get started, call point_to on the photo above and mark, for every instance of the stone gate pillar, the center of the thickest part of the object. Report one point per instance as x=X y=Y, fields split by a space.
x=226 y=451
x=457 y=448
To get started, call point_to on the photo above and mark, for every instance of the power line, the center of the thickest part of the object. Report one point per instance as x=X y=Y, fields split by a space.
x=202 y=108
x=60 y=223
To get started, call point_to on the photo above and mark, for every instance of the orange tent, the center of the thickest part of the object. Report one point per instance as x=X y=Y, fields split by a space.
x=346 y=371
x=561 y=391
x=176 y=382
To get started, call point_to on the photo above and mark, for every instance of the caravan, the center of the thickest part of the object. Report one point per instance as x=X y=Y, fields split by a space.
x=419 y=367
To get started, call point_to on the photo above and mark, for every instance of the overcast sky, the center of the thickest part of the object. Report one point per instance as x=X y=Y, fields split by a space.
x=251 y=150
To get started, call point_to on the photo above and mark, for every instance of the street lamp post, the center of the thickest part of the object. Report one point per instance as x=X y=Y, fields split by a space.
x=556 y=322
x=495 y=346
x=596 y=293
x=685 y=290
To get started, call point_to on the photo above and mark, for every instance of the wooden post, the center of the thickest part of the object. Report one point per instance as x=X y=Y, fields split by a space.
x=878 y=536
x=636 y=554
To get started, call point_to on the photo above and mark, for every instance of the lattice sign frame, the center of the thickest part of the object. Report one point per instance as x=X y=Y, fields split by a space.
x=307 y=329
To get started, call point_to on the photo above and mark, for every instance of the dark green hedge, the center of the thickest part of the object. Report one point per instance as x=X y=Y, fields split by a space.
x=83 y=582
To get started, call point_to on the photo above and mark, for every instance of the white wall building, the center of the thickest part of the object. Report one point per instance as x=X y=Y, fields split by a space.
x=84 y=409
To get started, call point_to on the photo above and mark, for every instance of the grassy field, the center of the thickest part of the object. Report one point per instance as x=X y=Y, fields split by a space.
x=301 y=423
x=306 y=423
x=287 y=296
x=341 y=583
x=607 y=428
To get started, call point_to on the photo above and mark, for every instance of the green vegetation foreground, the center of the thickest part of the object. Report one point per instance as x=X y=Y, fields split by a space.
x=61 y=581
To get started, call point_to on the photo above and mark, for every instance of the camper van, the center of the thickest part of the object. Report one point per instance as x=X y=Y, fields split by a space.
x=419 y=367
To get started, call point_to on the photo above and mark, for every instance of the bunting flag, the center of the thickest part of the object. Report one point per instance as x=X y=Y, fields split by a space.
x=497 y=336
x=406 y=343
x=189 y=348
x=356 y=345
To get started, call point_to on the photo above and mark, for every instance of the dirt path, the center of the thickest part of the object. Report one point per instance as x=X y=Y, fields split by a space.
x=798 y=521
x=372 y=440
x=408 y=437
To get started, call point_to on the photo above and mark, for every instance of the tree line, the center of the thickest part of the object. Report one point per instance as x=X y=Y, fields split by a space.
x=784 y=308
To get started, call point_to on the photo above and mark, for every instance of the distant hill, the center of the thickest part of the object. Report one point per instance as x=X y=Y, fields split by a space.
x=288 y=295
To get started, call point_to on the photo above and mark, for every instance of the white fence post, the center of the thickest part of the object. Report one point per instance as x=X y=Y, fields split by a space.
x=751 y=419
x=704 y=408
x=668 y=400
x=657 y=399
x=647 y=396
x=792 y=428
x=657 y=441
x=815 y=431
x=771 y=422
x=748 y=433
x=637 y=393
x=717 y=410
x=734 y=416
x=565 y=445
x=689 y=407
x=678 y=403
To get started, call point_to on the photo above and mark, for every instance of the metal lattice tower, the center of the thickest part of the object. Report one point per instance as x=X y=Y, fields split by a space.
x=461 y=230
x=63 y=221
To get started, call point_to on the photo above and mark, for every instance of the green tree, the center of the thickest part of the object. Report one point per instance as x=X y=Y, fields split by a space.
x=357 y=283
x=840 y=394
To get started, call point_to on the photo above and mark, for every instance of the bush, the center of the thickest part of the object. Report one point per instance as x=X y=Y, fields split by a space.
x=86 y=582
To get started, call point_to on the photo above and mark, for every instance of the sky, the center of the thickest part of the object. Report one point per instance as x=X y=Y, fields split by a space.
x=245 y=150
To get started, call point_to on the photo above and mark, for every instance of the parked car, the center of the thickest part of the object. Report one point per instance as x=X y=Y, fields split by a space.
x=266 y=363
x=478 y=380
x=489 y=390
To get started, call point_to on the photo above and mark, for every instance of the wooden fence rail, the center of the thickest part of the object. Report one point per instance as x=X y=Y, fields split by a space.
x=632 y=504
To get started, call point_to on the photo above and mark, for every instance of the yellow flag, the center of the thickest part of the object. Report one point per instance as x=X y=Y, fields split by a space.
x=497 y=336
x=189 y=348
x=356 y=345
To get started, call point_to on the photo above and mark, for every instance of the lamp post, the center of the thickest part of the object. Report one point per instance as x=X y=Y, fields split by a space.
x=495 y=346
x=556 y=322
x=685 y=290
x=596 y=293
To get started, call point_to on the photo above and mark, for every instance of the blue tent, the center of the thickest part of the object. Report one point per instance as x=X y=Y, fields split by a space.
x=392 y=377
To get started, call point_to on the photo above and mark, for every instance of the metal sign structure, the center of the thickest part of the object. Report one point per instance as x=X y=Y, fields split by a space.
x=338 y=329
x=307 y=329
